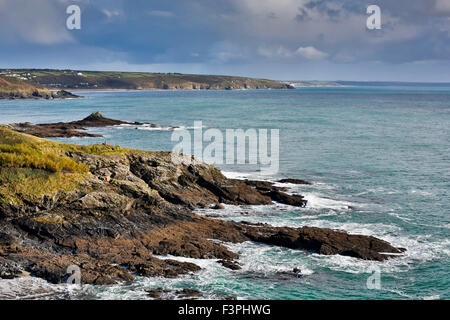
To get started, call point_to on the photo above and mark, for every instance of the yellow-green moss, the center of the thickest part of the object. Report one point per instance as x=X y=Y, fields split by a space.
x=18 y=184
x=50 y=219
x=29 y=155
x=31 y=167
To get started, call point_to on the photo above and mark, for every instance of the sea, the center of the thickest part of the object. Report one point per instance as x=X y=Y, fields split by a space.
x=378 y=157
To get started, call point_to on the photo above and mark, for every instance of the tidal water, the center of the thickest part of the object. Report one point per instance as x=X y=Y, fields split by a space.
x=378 y=157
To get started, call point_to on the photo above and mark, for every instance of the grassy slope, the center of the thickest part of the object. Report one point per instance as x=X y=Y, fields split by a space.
x=140 y=80
x=32 y=167
x=20 y=88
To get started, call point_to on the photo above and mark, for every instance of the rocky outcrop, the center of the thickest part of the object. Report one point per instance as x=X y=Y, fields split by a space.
x=134 y=205
x=324 y=241
x=63 y=94
x=72 y=129
x=185 y=294
x=276 y=193
x=295 y=181
x=13 y=87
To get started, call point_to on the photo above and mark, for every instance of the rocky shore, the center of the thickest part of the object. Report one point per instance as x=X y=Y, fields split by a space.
x=74 y=128
x=124 y=206
x=15 y=88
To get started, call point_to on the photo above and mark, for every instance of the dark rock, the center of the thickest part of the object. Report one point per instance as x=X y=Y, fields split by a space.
x=184 y=294
x=69 y=129
x=292 y=200
x=111 y=229
x=156 y=293
x=295 y=181
x=325 y=241
x=230 y=264
x=264 y=186
x=218 y=206
x=164 y=268
x=188 y=293
x=63 y=94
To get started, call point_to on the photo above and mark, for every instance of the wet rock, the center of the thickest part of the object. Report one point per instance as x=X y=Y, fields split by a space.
x=294 y=181
x=292 y=200
x=325 y=241
x=264 y=186
x=164 y=268
x=192 y=248
x=230 y=264
x=188 y=293
x=69 y=129
x=112 y=229
x=218 y=206
x=156 y=293
x=63 y=94
x=183 y=294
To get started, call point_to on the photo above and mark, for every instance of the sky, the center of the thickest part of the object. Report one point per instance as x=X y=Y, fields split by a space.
x=275 y=39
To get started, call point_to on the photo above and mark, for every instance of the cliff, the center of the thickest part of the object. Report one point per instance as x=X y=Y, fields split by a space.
x=15 y=88
x=72 y=79
x=109 y=209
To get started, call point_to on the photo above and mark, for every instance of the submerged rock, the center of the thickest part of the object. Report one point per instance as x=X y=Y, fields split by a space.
x=183 y=294
x=294 y=181
x=230 y=264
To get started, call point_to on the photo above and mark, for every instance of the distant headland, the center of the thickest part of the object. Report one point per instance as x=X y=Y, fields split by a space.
x=40 y=83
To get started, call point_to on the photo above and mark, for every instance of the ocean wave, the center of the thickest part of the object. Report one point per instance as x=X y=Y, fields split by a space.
x=237 y=175
x=31 y=288
x=268 y=260
x=152 y=127
x=419 y=249
x=317 y=201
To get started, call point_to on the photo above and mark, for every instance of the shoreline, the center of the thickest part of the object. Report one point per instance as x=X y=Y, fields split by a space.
x=114 y=211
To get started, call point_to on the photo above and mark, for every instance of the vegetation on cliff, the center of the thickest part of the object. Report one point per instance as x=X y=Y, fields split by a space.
x=72 y=79
x=18 y=88
x=11 y=87
x=31 y=167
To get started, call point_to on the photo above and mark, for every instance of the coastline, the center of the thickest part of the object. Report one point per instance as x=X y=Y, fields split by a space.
x=152 y=216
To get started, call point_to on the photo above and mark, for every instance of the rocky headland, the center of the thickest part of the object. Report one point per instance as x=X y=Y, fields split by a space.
x=15 y=88
x=110 y=210
x=74 y=128
x=87 y=80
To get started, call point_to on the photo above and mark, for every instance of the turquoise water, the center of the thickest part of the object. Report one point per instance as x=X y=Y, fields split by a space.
x=382 y=151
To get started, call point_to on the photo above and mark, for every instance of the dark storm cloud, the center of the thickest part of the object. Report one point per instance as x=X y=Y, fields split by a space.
x=213 y=34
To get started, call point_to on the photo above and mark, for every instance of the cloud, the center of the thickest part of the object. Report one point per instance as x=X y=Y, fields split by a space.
x=442 y=6
x=162 y=13
x=111 y=14
x=225 y=51
x=37 y=22
x=311 y=53
x=239 y=34
x=274 y=52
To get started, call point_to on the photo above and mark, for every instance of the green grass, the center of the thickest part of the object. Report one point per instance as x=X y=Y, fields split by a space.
x=21 y=143
x=31 y=167
x=21 y=88
x=142 y=80
x=29 y=155
x=19 y=184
